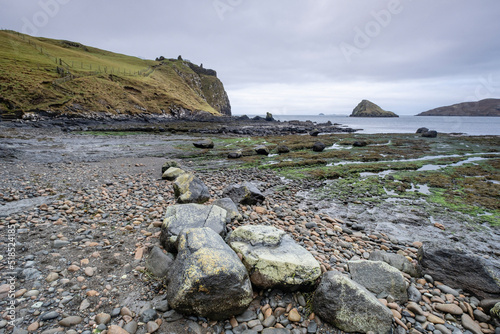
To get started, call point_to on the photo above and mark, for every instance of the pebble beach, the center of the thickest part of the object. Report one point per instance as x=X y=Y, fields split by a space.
x=83 y=230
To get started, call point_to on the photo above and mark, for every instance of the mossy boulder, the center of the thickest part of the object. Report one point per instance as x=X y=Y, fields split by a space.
x=207 y=278
x=273 y=259
x=190 y=189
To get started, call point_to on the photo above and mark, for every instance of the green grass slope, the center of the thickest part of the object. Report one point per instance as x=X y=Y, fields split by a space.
x=66 y=78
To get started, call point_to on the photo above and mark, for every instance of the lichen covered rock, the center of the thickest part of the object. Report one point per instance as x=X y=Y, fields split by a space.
x=273 y=259
x=207 y=278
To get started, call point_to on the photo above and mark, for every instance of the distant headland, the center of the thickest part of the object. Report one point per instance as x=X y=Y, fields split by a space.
x=486 y=107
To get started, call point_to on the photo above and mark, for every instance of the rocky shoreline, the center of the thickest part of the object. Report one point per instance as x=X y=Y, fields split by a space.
x=235 y=125
x=85 y=228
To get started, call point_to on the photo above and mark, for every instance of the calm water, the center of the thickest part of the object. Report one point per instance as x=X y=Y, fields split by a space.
x=472 y=126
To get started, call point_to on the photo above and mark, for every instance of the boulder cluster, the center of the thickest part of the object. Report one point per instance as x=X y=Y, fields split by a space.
x=214 y=269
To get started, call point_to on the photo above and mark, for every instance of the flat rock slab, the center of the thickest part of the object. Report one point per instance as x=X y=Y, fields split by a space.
x=180 y=217
x=273 y=259
x=459 y=268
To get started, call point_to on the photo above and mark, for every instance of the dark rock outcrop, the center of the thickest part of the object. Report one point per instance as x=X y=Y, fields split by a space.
x=273 y=258
x=282 y=149
x=262 y=150
x=430 y=134
x=246 y=193
x=207 y=278
x=318 y=146
x=456 y=267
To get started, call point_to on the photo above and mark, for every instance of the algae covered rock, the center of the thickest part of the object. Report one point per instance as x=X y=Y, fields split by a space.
x=273 y=259
x=380 y=278
x=190 y=189
x=181 y=217
x=349 y=306
x=207 y=278
x=318 y=146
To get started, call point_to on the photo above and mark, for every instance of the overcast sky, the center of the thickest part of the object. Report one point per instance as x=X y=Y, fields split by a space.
x=297 y=56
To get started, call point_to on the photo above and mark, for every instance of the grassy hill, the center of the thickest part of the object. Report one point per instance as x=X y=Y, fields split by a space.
x=60 y=77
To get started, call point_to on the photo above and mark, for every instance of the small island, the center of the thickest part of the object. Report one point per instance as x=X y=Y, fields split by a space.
x=369 y=109
x=485 y=108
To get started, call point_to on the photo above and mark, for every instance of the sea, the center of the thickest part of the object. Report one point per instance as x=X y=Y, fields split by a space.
x=472 y=126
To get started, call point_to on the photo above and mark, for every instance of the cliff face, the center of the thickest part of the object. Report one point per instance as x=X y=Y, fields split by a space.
x=62 y=78
x=369 y=109
x=487 y=107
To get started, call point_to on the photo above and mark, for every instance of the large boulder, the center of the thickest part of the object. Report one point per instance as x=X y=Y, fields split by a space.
x=246 y=193
x=349 y=306
x=380 y=278
x=172 y=173
x=318 y=146
x=398 y=261
x=460 y=268
x=181 y=217
x=206 y=144
x=190 y=189
x=231 y=208
x=430 y=134
x=282 y=149
x=207 y=278
x=273 y=259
